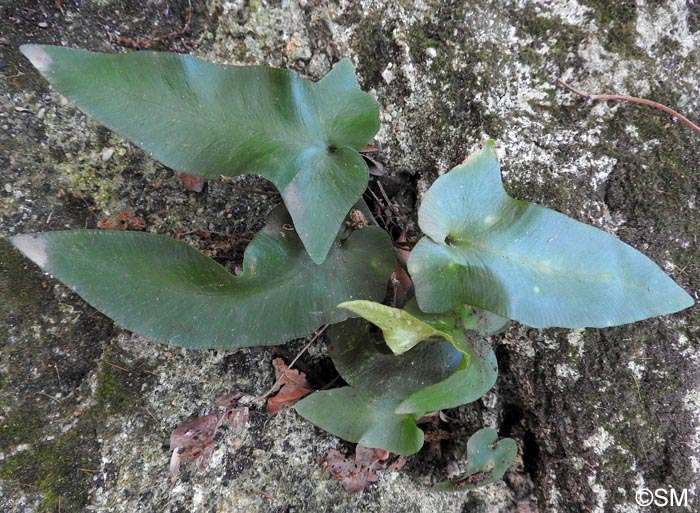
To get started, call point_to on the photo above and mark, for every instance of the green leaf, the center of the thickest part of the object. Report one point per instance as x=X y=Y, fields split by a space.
x=403 y=329
x=209 y=120
x=169 y=292
x=388 y=393
x=486 y=462
x=363 y=418
x=525 y=262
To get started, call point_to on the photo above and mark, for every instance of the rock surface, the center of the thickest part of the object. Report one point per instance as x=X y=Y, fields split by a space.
x=86 y=409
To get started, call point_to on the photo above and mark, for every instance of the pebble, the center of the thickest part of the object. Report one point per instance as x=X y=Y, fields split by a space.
x=430 y=52
x=107 y=154
x=8 y=187
x=388 y=74
x=43 y=24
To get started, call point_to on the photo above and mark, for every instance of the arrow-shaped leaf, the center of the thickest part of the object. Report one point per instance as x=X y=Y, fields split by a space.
x=209 y=120
x=526 y=262
x=388 y=393
x=169 y=292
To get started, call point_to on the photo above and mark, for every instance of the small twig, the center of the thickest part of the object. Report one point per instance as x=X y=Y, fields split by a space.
x=406 y=246
x=158 y=422
x=50 y=397
x=289 y=367
x=632 y=99
x=114 y=365
x=267 y=495
x=390 y=203
x=58 y=375
x=330 y=383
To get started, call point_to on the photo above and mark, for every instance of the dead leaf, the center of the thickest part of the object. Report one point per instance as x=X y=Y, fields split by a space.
x=195 y=439
x=371 y=154
x=191 y=183
x=104 y=224
x=433 y=434
x=292 y=386
x=123 y=221
x=355 y=473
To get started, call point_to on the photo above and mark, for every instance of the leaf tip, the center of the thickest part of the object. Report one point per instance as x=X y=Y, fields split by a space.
x=349 y=305
x=33 y=247
x=38 y=56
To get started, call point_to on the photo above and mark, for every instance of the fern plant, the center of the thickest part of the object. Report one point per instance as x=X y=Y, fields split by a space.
x=485 y=258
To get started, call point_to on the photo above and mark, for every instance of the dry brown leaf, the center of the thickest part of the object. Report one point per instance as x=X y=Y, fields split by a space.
x=357 y=472
x=195 y=439
x=191 y=183
x=292 y=386
x=123 y=221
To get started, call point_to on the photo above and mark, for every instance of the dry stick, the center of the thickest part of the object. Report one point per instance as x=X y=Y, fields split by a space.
x=289 y=367
x=390 y=204
x=632 y=99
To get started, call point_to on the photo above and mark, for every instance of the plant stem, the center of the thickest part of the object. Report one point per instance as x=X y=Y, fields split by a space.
x=632 y=99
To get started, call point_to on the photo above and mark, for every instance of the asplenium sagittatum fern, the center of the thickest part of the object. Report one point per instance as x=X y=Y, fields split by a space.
x=485 y=258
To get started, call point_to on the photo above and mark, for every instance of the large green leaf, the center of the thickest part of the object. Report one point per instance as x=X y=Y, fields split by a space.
x=487 y=461
x=525 y=262
x=209 y=120
x=388 y=393
x=169 y=292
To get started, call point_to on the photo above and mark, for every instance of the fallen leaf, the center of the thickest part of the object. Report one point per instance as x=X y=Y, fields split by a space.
x=195 y=439
x=357 y=472
x=191 y=183
x=123 y=221
x=104 y=224
x=292 y=386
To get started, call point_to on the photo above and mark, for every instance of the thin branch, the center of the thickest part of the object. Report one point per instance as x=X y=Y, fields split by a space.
x=632 y=99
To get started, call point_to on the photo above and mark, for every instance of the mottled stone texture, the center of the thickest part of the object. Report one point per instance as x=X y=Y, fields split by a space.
x=86 y=409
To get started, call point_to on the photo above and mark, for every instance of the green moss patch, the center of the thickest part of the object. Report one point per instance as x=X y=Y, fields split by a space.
x=616 y=20
x=18 y=288
x=61 y=469
x=119 y=383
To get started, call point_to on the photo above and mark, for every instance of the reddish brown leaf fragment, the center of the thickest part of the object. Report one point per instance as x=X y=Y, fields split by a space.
x=292 y=386
x=191 y=183
x=123 y=221
x=195 y=439
x=104 y=224
x=355 y=473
